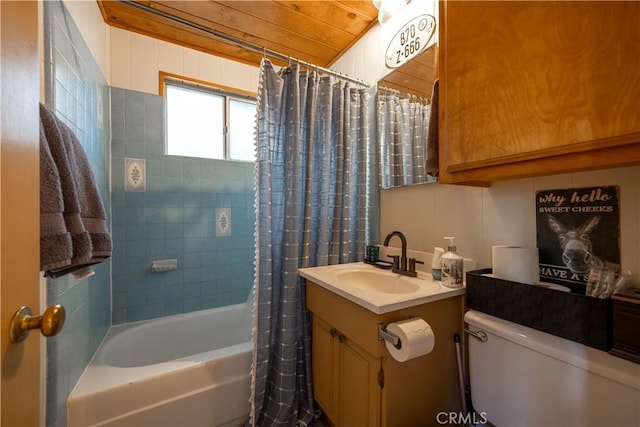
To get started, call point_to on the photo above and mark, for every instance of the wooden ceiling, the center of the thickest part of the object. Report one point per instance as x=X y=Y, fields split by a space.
x=416 y=76
x=316 y=31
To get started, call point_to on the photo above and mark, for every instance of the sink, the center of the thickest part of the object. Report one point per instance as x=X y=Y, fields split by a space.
x=378 y=281
x=380 y=291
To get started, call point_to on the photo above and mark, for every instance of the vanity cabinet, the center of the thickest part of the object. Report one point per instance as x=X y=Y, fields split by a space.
x=345 y=379
x=356 y=381
x=536 y=88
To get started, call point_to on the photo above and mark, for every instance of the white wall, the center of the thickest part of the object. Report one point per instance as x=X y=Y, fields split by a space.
x=501 y=214
x=366 y=59
x=86 y=14
x=136 y=61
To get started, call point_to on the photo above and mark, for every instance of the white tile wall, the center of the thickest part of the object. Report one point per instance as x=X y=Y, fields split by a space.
x=210 y=68
x=501 y=214
x=120 y=55
x=144 y=63
x=87 y=16
x=191 y=65
x=136 y=61
x=170 y=58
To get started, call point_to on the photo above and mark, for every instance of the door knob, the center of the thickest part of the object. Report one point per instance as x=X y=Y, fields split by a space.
x=50 y=323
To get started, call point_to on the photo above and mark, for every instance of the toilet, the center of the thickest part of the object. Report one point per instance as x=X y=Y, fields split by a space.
x=523 y=377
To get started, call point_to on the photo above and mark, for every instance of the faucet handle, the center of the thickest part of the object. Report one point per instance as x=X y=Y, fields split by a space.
x=396 y=261
x=412 y=264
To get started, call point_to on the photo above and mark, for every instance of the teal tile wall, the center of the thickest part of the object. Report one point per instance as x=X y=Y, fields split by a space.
x=77 y=90
x=175 y=218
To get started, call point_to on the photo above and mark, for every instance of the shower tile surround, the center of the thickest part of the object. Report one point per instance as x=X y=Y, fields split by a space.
x=173 y=218
x=77 y=90
x=176 y=217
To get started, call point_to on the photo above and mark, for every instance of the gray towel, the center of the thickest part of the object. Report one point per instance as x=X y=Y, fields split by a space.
x=433 y=155
x=56 y=247
x=74 y=232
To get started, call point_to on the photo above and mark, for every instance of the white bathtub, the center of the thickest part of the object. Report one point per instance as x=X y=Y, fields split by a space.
x=186 y=370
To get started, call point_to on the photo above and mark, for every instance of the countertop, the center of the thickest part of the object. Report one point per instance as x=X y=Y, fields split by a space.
x=425 y=289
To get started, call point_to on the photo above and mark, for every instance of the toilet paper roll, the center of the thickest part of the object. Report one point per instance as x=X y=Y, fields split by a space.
x=416 y=339
x=516 y=263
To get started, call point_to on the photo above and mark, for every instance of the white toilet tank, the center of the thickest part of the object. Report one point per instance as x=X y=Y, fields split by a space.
x=524 y=377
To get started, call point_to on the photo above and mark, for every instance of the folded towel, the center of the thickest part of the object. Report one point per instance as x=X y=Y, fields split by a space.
x=56 y=247
x=433 y=156
x=74 y=232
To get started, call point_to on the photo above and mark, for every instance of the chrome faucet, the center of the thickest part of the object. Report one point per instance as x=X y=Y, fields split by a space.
x=401 y=264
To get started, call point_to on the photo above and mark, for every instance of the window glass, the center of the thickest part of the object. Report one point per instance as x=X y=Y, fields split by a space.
x=209 y=123
x=194 y=125
x=241 y=130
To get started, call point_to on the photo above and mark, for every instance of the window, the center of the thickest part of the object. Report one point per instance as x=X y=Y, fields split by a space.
x=208 y=122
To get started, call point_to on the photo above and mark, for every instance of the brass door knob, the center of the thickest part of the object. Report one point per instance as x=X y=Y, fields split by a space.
x=50 y=323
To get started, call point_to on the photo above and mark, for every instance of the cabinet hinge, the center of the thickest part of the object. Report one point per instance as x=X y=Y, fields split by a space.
x=381 y=378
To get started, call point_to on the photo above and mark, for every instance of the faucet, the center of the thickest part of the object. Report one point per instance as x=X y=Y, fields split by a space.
x=400 y=262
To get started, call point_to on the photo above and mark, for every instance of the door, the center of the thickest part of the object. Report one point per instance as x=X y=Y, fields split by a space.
x=358 y=386
x=325 y=373
x=20 y=387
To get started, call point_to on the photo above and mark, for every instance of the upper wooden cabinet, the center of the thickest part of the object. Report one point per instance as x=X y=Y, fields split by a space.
x=536 y=88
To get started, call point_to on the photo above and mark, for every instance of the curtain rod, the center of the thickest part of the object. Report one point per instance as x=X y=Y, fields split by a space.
x=242 y=43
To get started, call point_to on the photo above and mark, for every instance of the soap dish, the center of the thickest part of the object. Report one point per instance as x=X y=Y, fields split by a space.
x=386 y=265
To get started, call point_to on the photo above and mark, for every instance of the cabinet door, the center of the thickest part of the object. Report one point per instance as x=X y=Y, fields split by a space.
x=325 y=370
x=359 y=388
x=524 y=81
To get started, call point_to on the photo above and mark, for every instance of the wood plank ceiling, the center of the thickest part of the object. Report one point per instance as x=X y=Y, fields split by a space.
x=315 y=31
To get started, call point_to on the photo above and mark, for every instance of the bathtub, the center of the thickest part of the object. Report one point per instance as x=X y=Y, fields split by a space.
x=186 y=370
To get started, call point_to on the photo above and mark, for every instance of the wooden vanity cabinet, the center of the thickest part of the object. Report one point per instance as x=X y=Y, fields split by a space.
x=537 y=88
x=358 y=384
x=345 y=378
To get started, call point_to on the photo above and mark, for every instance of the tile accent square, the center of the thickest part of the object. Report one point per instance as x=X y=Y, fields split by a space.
x=223 y=222
x=135 y=175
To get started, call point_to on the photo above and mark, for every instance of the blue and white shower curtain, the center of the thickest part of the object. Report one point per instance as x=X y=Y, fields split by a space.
x=317 y=204
x=403 y=130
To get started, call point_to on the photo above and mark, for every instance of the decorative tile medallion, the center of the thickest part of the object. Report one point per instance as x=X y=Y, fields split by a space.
x=135 y=175
x=223 y=222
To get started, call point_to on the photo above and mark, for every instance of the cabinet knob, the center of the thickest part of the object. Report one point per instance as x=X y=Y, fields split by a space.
x=341 y=338
x=333 y=332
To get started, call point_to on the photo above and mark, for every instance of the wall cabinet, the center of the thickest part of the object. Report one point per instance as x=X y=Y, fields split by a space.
x=356 y=381
x=536 y=88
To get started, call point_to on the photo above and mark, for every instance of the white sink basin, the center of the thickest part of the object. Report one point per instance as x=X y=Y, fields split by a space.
x=378 y=290
x=378 y=281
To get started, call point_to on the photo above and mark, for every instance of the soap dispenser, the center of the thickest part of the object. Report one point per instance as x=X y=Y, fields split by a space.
x=452 y=266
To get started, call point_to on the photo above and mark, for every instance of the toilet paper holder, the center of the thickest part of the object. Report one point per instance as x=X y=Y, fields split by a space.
x=385 y=335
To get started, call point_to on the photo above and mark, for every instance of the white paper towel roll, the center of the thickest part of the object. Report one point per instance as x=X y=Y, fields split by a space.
x=416 y=339
x=515 y=263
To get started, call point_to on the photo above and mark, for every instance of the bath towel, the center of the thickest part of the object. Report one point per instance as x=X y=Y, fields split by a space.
x=73 y=227
x=433 y=156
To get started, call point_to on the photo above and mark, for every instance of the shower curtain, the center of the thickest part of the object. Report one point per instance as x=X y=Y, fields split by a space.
x=317 y=204
x=403 y=130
